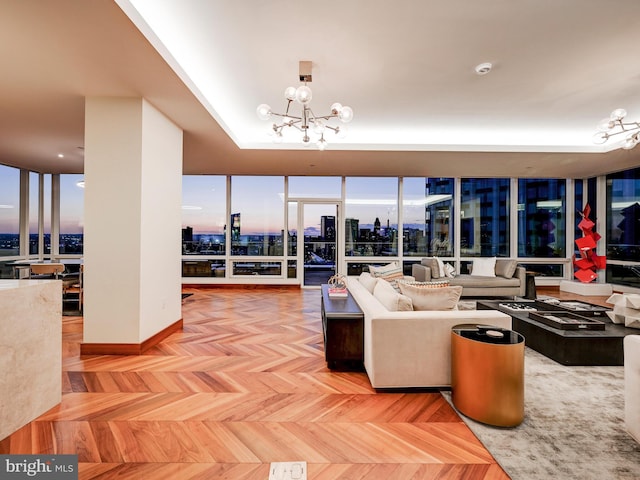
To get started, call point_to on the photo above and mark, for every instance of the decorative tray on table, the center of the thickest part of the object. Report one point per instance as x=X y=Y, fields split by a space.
x=567 y=321
x=583 y=308
x=519 y=306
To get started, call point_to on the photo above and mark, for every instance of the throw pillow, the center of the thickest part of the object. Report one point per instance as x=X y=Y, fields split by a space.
x=368 y=281
x=432 y=263
x=440 y=267
x=445 y=298
x=390 y=299
x=484 y=267
x=437 y=284
x=449 y=270
x=391 y=272
x=505 y=267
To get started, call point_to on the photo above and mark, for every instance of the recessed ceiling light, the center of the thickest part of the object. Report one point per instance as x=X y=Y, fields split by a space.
x=60 y=155
x=483 y=68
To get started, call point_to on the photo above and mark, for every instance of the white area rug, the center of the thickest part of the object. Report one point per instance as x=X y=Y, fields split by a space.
x=573 y=426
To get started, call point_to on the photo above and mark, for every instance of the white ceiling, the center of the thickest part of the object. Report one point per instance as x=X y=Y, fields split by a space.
x=406 y=67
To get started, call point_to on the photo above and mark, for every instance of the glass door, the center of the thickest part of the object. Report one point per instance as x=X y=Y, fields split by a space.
x=318 y=246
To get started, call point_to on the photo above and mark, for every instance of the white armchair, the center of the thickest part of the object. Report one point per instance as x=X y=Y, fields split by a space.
x=632 y=385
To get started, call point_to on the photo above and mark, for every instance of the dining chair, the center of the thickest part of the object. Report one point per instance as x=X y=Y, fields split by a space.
x=45 y=270
x=72 y=287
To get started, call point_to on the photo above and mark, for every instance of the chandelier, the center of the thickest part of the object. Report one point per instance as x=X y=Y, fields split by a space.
x=613 y=126
x=307 y=122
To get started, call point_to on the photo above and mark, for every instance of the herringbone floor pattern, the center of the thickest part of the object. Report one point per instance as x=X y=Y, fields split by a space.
x=245 y=384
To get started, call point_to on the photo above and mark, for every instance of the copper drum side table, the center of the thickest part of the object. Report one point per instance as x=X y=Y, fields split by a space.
x=487 y=374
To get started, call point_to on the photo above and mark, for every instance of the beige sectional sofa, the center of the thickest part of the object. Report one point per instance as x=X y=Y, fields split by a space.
x=509 y=279
x=632 y=385
x=409 y=348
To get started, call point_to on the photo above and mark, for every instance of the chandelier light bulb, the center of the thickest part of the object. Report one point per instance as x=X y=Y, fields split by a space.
x=303 y=95
x=346 y=114
x=321 y=143
x=318 y=126
x=630 y=142
x=618 y=114
x=290 y=93
x=605 y=124
x=342 y=131
x=263 y=111
x=600 y=137
x=335 y=108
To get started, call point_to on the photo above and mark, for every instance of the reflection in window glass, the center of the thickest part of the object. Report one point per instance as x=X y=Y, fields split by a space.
x=438 y=215
x=371 y=223
x=541 y=217
x=292 y=240
x=47 y=213
x=414 y=226
x=34 y=195
x=257 y=215
x=315 y=187
x=204 y=212
x=257 y=268
x=623 y=216
x=71 y=214
x=580 y=203
x=484 y=217
x=9 y=211
x=544 y=269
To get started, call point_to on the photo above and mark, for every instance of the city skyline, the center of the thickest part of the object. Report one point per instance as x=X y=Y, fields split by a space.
x=259 y=199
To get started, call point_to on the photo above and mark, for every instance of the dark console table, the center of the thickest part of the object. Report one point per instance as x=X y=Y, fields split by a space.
x=343 y=329
x=568 y=347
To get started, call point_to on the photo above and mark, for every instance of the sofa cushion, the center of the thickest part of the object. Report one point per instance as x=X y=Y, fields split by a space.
x=444 y=298
x=432 y=263
x=484 y=267
x=506 y=267
x=391 y=272
x=474 y=281
x=368 y=281
x=391 y=299
x=436 y=284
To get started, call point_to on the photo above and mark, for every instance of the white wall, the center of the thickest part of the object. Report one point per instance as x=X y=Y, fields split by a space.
x=133 y=167
x=161 y=222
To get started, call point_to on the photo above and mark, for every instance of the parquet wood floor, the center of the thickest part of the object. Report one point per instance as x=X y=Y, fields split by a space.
x=245 y=384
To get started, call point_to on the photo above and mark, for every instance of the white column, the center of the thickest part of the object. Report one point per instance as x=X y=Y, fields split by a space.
x=132 y=214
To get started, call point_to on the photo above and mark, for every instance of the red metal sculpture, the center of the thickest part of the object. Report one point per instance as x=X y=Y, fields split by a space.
x=589 y=262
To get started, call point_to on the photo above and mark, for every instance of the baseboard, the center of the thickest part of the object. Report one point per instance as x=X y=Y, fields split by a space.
x=130 y=348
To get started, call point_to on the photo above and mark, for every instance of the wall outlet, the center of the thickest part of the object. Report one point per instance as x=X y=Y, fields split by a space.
x=288 y=471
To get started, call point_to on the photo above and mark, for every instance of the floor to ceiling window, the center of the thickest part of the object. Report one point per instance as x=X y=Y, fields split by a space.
x=230 y=233
x=542 y=223
x=204 y=225
x=257 y=224
x=9 y=211
x=371 y=216
x=484 y=217
x=71 y=214
x=439 y=216
x=414 y=225
x=623 y=227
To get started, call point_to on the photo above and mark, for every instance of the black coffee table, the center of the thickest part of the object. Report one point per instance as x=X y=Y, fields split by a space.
x=568 y=347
